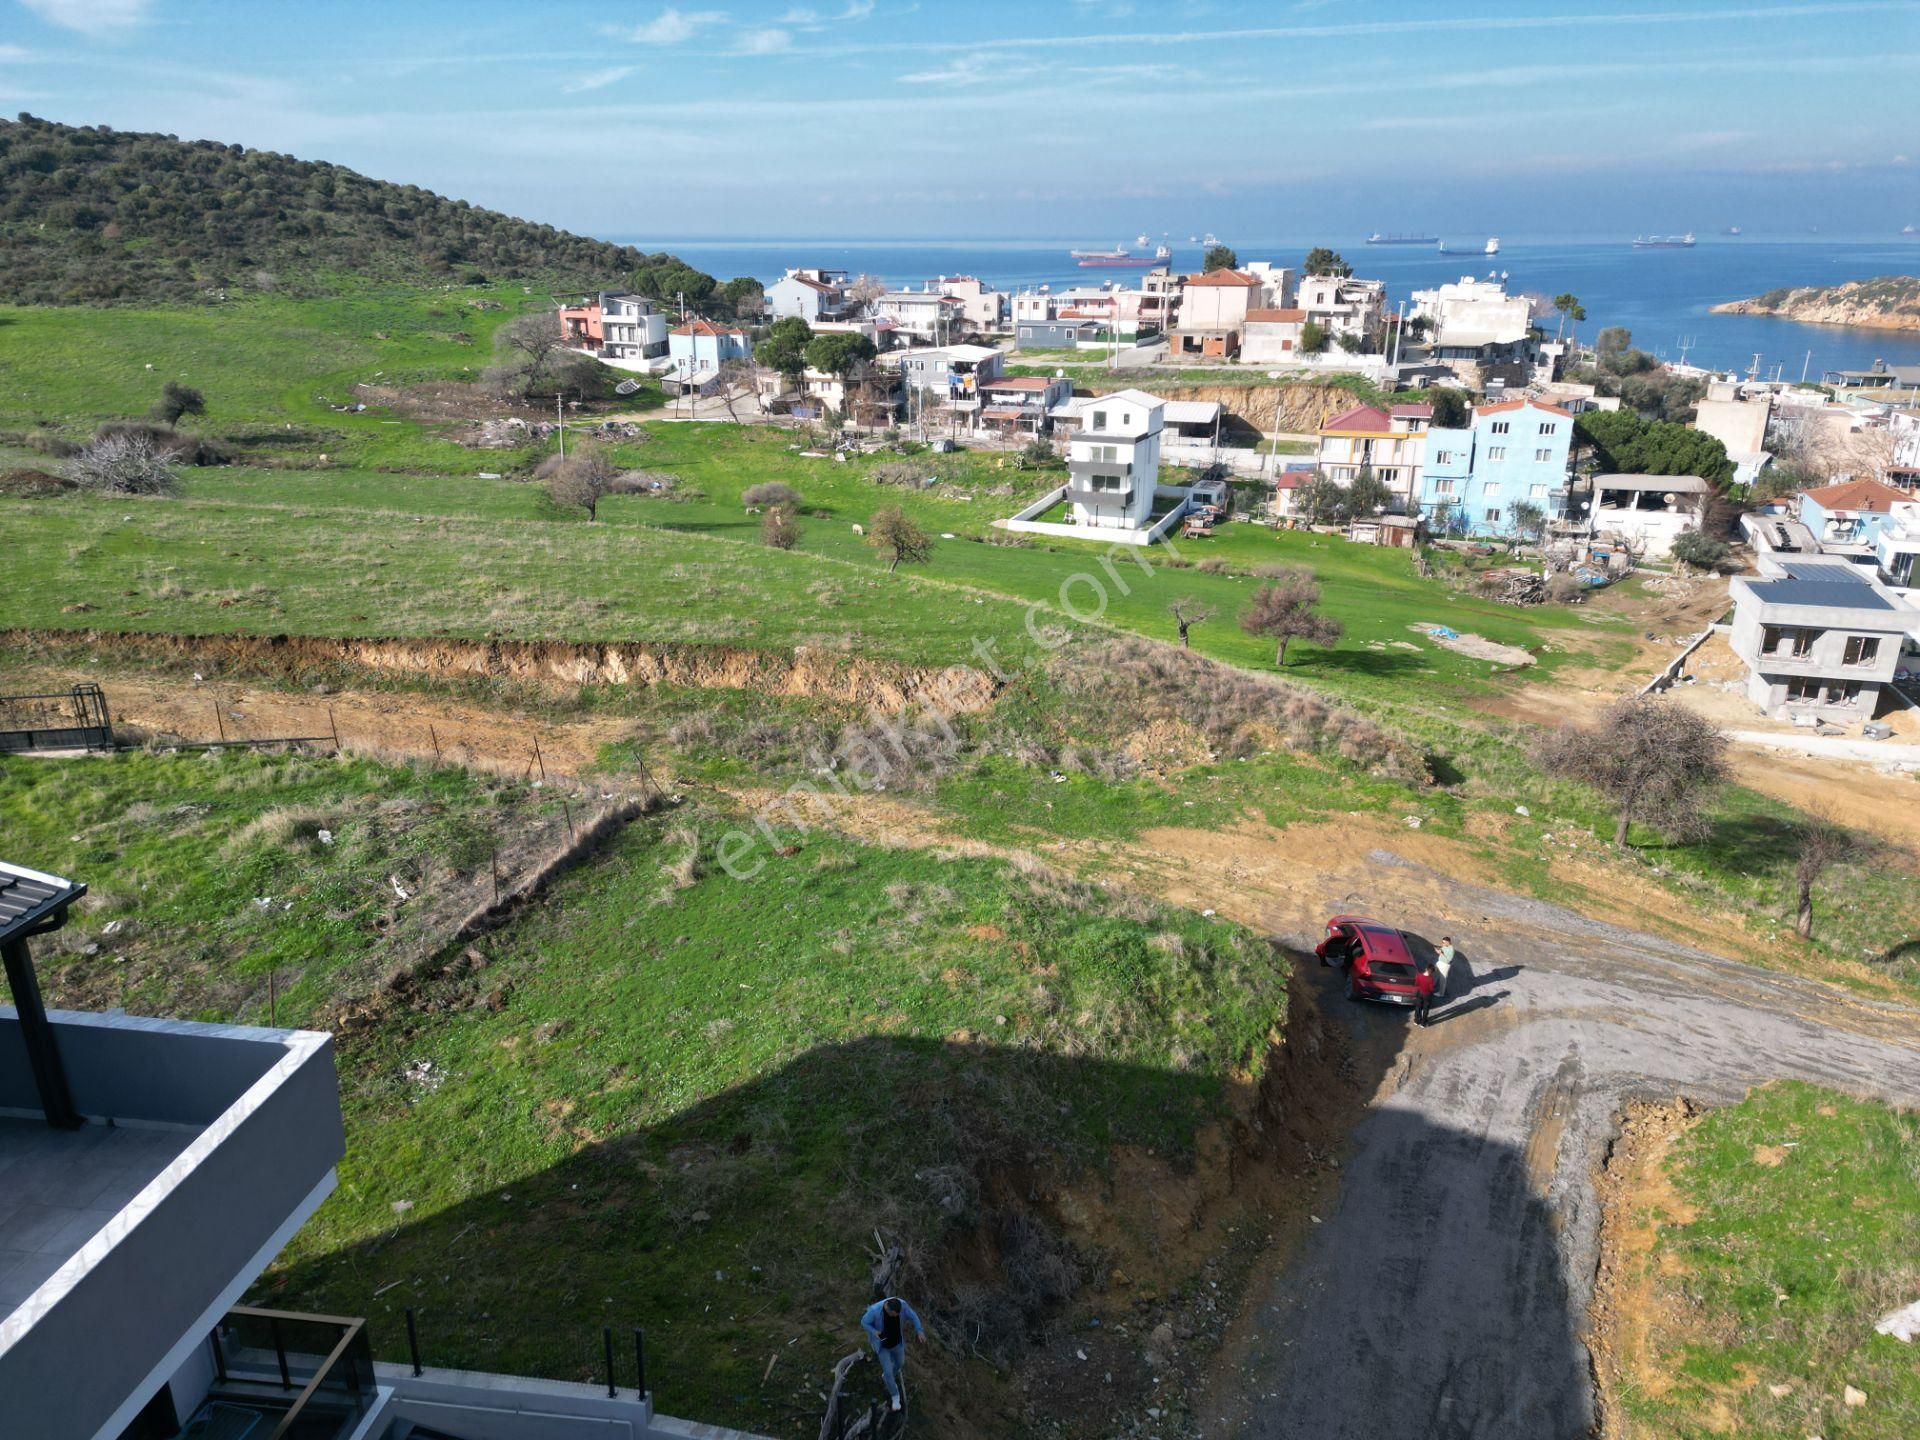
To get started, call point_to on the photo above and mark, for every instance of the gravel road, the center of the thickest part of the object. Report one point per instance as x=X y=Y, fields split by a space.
x=1446 y=1295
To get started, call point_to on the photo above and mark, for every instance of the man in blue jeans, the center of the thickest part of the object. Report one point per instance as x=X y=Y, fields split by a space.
x=884 y=1327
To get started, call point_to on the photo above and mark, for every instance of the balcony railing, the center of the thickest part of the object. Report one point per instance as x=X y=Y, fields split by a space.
x=305 y=1377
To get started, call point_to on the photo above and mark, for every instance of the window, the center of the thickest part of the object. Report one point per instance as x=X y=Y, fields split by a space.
x=1543 y=456
x=1443 y=457
x=1537 y=492
x=1500 y=427
x=1493 y=517
x=1548 y=427
x=1099 y=419
x=1785 y=640
x=1489 y=487
x=1443 y=487
x=1496 y=452
x=1862 y=649
x=1803 y=689
x=1107 y=482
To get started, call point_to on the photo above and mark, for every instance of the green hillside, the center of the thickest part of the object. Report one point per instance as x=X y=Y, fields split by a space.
x=91 y=214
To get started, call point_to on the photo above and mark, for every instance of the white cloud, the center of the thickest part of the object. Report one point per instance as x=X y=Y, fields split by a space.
x=673 y=27
x=857 y=10
x=969 y=70
x=91 y=17
x=764 y=42
x=800 y=15
x=12 y=52
x=597 y=79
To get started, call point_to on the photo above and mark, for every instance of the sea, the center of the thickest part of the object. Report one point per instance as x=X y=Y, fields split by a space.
x=1662 y=296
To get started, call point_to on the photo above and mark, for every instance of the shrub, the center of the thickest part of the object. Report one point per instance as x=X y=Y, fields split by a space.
x=769 y=493
x=124 y=464
x=48 y=443
x=778 y=530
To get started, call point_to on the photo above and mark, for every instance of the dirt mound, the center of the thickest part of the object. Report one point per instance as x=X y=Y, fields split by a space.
x=873 y=684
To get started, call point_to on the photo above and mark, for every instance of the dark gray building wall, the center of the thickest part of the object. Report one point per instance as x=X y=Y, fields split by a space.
x=176 y=1259
x=1046 y=335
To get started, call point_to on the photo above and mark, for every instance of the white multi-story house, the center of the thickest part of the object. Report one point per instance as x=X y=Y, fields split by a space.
x=1477 y=329
x=925 y=316
x=810 y=295
x=982 y=311
x=616 y=325
x=1113 y=461
x=1342 y=305
x=1896 y=549
x=1390 y=443
x=1818 y=636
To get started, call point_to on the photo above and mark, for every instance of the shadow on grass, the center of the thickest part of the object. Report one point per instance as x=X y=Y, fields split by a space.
x=739 y=1228
x=1378 y=664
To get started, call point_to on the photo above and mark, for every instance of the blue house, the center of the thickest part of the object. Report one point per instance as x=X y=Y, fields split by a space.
x=1847 y=518
x=1510 y=454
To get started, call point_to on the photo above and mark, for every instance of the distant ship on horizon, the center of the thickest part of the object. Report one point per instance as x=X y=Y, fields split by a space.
x=1664 y=242
x=1731 y=230
x=1119 y=258
x=1379 y=239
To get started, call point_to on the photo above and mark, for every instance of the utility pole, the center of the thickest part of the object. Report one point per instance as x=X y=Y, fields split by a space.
x=560 y=421
x=1803 y=367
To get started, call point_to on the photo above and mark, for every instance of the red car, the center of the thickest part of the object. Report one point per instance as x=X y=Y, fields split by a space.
x=1378 y=963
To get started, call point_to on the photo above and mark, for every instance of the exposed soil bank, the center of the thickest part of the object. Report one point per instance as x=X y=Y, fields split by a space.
x=880 y=685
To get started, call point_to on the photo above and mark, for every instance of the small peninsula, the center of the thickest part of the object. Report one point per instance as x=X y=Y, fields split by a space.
x=1888 y=302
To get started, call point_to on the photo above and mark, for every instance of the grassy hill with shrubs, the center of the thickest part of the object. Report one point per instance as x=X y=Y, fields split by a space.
x=91 y=214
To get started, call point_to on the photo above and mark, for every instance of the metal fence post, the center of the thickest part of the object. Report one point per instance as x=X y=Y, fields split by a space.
x=640 y=1361
x=606 y=1340
x=413 y=1341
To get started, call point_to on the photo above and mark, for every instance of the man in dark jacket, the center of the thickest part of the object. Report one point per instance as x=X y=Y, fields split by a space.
x=885 y=1323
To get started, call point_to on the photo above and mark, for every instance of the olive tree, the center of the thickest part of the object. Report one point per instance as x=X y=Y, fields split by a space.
x=895 y=536
x=1284 y=611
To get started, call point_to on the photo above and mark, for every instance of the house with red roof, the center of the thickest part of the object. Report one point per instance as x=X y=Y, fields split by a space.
x=697 y=350
x=1389 y=444
x=1849 y=515
x=1213 y=313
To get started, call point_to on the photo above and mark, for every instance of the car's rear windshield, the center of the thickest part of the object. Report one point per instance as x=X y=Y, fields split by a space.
x=1390 y=970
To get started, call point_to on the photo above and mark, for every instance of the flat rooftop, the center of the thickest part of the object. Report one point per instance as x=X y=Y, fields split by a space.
x=61 y=1188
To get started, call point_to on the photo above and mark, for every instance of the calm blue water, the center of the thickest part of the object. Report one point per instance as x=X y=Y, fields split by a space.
x=1662 y=296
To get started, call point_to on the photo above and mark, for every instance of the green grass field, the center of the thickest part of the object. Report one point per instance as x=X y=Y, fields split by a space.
x=684 y=1102
x=1803 y=1232
x=265 y=365
x=208 y=872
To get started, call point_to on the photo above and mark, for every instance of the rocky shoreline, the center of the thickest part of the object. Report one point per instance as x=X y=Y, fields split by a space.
x=1888 y=302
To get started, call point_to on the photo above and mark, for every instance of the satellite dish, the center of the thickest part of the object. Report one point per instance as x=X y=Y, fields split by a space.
x=1059 y=374
x=1670 y=498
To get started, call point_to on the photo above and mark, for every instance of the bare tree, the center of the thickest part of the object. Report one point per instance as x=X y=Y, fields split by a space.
x=737 y=377
x=1656 y=761
x=1284 y=611
x=1824 y=842
x=1188 y=613
x=581 y=479
x=779 y=530
x=531 y=343
x=124 y=463
x=1870 y=454
x=898 y=538
x=864 y=289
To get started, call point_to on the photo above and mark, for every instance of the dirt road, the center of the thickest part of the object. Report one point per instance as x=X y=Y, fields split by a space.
x=1446 y=1295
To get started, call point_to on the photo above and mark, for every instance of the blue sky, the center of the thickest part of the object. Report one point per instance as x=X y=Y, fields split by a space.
x=1035 y=118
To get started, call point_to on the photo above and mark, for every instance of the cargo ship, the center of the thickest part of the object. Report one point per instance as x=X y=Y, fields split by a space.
x=1120 y=258
x=1378 y=239
x=1664 y=242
